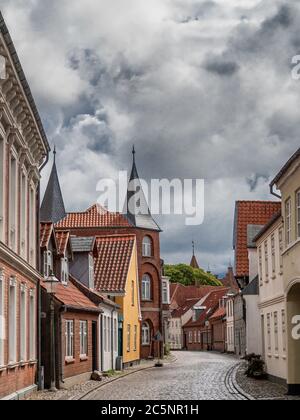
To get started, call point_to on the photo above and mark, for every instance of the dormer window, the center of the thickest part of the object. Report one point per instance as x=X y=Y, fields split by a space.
x=48 y=263
x=147 y=247
x=64 y=271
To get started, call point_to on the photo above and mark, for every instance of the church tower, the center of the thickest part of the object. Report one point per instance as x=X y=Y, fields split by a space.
x=194 y=262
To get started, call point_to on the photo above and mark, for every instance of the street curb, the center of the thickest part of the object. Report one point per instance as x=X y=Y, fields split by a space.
x=237 y=386
x=81 y=397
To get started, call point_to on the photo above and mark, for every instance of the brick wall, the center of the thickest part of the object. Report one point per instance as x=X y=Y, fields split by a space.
x=23 y=375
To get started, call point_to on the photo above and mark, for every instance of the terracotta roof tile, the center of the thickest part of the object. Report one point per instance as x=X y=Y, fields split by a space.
x=113 y=262
x=249 y=213
x=72 y=297
x=46 y=230
x=189 y=303
x=95 y=216
x=220 y=313
x=180 y=293
x=62 y=239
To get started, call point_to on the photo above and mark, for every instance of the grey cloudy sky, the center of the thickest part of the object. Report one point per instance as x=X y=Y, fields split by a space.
x=203 y=88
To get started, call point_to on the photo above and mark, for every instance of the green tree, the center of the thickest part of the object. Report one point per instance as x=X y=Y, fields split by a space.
x=187 y=275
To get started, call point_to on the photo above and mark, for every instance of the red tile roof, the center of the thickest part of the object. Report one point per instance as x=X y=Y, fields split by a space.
x=113 y=262
x=46 y=230
x=189 y=303
x=180 y=293
x=94 y=217
x=73 y=298
x=249 y=213
x=211 y=303
x=62 y=239
x=219 y=314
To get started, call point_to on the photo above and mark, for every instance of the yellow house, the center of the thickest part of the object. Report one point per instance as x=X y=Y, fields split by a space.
x=116 y=275
x=288 y=182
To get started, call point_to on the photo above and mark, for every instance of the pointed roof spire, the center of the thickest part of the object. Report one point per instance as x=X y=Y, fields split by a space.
x=53 y=207
x=137 y=208
x=194 y=262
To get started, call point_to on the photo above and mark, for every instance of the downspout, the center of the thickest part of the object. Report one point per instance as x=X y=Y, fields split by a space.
x=39 y=291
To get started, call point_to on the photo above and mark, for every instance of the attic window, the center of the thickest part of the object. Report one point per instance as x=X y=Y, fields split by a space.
x=64 y=271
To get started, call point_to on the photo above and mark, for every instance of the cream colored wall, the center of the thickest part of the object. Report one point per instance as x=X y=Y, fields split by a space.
x=289 y=185
x=175 y=334
x=272 y=301
x=131 y=314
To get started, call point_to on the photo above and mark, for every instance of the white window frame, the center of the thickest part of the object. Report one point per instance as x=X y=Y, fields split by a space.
x=298 y=213
x=281 y=248
x=288 y=221
x=13 y=201
x=266 y=247
x=64 y=270
x=32 y=323
x=146 y=287
x=2 y=187
x=260 y=263
x=128 y=338
x=105 y=333
x=165 y=292
x=276 y=332
x=269 y=335
x=190 y=337
x=2 y=317
x=32 y=224
x=146 y=334
x=23 y=323
x=147 y=247
x=48 y=263
x=12 y=333
x=199 y=337
x=23 y=213
x=69 y=325
x=109 y=333
x=284 y=334
x=83 y=336
x=273 y=250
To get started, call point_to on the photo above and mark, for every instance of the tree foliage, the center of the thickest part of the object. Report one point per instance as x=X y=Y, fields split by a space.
x=188 y=276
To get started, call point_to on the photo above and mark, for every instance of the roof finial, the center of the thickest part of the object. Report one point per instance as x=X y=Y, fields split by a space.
x=54 y=153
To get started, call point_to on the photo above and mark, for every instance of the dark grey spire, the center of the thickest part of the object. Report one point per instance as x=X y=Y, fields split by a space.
x=53 y=208
x=138 y=211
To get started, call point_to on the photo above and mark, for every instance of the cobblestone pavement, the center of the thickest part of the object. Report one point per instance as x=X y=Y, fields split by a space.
x=195 y=376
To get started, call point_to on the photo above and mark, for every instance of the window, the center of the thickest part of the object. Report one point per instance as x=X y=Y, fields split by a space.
x=145 y=334
x=13 y=204
x=276 y=332
x=64 y=270
x=83 y=338
x=288 y=221
x=147 y=247
x=195 y=337
x=32 y=226
x=12 y=322
x=146 y=287
x=23 y=323
x=260 y=265
x=2 y=324
x=266 y=260
x=23 y=216
x=165 y=292
x=273 y=254
x=2 y=178
x=70 y=339
x=298 y=213
x=190 y=337
x=91 y=272
x=105 y=333
x=284 y=336
x=135 y=338
x=269 y=332
x=32 y=322
x=128 y=338
x=199 y=337
x=281 y=248
x=109 y=333
x=115 y=335
x=132 y=293
x=48 y=263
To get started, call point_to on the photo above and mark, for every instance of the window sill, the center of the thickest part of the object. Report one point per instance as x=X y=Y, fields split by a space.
x=84 y=358
x=32 y=362
x=270 y=356
x=69 y=360
x=145 y=345
x=276 y=356
x=284 y=357
x=12 y=366
x=2 y=368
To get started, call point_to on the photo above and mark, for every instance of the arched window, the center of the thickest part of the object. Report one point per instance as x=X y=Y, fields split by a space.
x=147 y=247
x=146 y=287
x=146 y=334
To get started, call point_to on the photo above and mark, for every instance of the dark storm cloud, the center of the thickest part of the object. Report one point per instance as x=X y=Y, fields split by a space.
x=212 y=98
x=221 y=66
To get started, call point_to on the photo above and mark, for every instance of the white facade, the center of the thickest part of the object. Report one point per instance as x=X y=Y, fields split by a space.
x=253 y=325
x=109 y=339
x=176 y=334
x=272 y=300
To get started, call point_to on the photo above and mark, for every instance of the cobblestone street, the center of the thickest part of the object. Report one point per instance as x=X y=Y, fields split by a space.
x=195 y=376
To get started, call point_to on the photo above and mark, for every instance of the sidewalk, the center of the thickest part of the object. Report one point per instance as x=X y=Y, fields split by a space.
x=261 y=390
x=79 y=391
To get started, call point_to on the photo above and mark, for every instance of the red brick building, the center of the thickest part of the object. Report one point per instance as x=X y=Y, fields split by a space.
x=98 y=222
x=23 y=151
